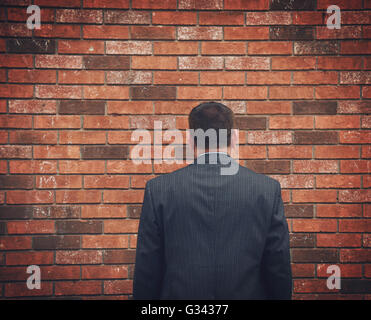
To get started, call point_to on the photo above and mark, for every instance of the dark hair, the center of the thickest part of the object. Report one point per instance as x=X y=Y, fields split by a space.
x=211 y=115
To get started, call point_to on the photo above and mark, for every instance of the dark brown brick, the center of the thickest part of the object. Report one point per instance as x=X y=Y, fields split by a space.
x=316 y=47
x=292 y=5
x=315 y=107
x=2 y=227
x=316 y=137
x=104 y=152
x=250 y=123
x=302 y=240
x=82 y=107
x=134 y=211
x=16 y=182
x=291 y=33
x=298 y=211
x=355 y=286
x=119 y=256
x=153 y=93
x=16 y=212
x=314 y=255
x=56 y=242
x=109 y=62
x=269 y=166
x=30 y=45
x=79 y=226
x=56 y=212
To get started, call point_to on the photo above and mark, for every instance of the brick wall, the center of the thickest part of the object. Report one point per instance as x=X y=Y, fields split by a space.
x=72 y=92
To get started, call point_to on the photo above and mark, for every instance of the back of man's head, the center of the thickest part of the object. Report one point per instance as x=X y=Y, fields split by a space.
x=212 y=115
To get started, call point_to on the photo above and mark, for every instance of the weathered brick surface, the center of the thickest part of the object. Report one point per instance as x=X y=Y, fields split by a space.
x=73 y=92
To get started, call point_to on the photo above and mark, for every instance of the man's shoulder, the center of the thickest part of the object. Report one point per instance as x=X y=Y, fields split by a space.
x=259 y=178
x=165 y=178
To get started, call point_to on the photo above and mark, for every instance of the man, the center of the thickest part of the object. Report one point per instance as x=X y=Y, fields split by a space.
x=207 y=235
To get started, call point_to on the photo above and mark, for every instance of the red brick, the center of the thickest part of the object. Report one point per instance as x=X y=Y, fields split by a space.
x=339 y=210
x=315 y=77
x=355 y=166
x=81 y=46
x=123 y=196
x=29 y=258
x=291 y=122
x=268 y=18
x=127 y=166
x=58 y=31
x=315 y=166
x=338 y=181
x=78 y=196
x=128 y=107
x=270 y=48
x=66 y=3
x=363 y=195
x=30 y=227
x=104 y=272
x=152 y=32
x=55 y=152
x=337 y=92
x=246 y=33
x=314 y=196
x=345 y=32
x=15 y=121
x=57 y=62
x=15 y=242
x=154 y=4
x=307 y=17
x=19 y=289
x=343 y=4
x=288 y=92
x=200 y=33
x=79 y=16
x=80 y=76
x=252 y=152
x=268 y=107
x=122 y=4
x=32 y=76
x=366 y=92
x=294 y=181
x=221 y=18
x=19 y=14
x=199 y=93
x=342 y=63
x=57 y=121
x=16 y=60
x=105 y=32
x=247 y=63
x=223 y=48
x=106 y=92
x=339 y=240
x=150 y=62
x=221 y=77
x=302 y=270
x=103 y=211
x=174 y=17
x=293 y=63
x=269 y=137
x=78 y=257
x=355 y=255
x=337 y=122
x=175 y=48
x=200 y=4
x=353 y=107
x=140 y=181
x=314 y=225
x=58 y=92
x=105 y=241
x=70 y=288
x=246 y=5
x=286 y=152
x=356 y=47
x=336 y=152
x=118 y=286
x=173 y=77
x=32 y=166
x=16 y=91
x=15 y=30
x=106 y=182
x=82 y=137
x=122 y=226
x=268 y=77
x=200 y=63
x=29 y=197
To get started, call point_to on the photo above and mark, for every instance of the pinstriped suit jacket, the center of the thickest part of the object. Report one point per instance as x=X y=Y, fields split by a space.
x=203 y=235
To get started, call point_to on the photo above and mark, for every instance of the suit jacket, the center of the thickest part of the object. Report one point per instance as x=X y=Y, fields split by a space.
x=203 y=235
